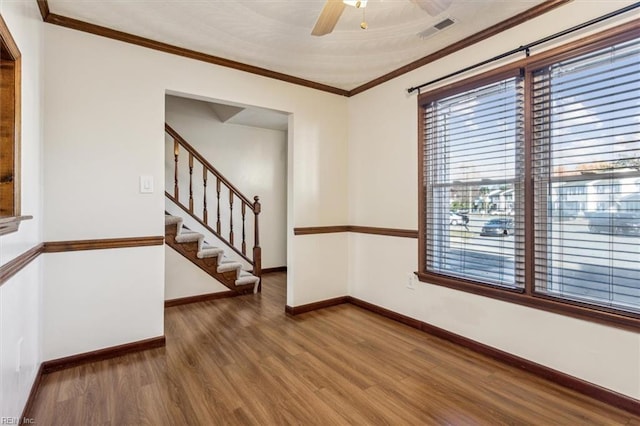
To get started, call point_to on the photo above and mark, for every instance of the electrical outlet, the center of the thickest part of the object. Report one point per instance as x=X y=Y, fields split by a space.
x=411 y=282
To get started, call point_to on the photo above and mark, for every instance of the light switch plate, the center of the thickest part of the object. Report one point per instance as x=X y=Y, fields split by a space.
x=146 y=184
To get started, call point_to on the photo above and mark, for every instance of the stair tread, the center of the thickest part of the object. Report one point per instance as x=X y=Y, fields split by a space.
x=247 y=280
x=243 y=279
x=229 y=266
x=210 y=252
x=172 y=220
x=189 y=236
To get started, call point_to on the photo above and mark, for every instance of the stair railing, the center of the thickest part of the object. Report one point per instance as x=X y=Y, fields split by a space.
x=179 y=145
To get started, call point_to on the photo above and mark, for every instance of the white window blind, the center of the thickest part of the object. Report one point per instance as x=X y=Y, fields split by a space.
x=473 y=174
x=586 y=170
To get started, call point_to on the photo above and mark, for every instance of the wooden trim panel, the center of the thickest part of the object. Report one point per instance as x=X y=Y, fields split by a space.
x=102 y=354
x=275 y=269
x=102 y=244
x=75 y=24
x=33 y=393
x=11 y=224
x=594 y=391
x=10 y=137
x=542 y=302
x=297 y=310
x=586 y=388
x=386 y=313
x=200 y=298
x=43 y=5
x=311 y=230
x=390 y=232
x=98 y=30
x=14 y=266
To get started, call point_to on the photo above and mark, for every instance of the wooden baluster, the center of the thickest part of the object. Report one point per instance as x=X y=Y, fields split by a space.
x=218 y=191
x=244 y=235
x=257 y=251
x=176 y=151
x=230 y=216
x=190 y=183
x=205 y=213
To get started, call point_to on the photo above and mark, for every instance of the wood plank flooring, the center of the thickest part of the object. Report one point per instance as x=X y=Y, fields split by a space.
x=242 y=361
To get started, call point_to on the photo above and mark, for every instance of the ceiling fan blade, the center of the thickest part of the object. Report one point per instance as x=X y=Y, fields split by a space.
x=433 y=7
x=328 y=17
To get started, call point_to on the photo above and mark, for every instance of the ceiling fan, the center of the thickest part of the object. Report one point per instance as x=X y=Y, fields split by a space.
x=333 y=9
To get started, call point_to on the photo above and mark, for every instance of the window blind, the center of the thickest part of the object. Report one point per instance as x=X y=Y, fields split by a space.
x=473 y=174
x=586 y=171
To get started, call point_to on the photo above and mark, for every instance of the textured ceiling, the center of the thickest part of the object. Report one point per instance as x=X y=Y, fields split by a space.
x=275 y=34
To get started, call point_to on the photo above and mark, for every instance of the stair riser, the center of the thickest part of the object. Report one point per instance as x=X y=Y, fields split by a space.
x=208 y=264
x=230 y=275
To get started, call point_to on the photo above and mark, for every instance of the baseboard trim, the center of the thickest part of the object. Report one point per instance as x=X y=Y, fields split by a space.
x=102 y=354
x=32 y=395
x=200 y=298
x=297 y=310
x=582 y=386
x=275 y=269
x=586 y=388
x=411 y=322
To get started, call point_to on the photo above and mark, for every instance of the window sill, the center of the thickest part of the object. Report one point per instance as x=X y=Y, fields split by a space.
x=567 y=307
x=11 y=224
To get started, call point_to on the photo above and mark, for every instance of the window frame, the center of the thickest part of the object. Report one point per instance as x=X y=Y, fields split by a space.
x=11 y=121
x=526 y=296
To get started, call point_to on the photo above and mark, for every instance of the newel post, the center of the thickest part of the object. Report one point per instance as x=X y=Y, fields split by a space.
x=257 y=251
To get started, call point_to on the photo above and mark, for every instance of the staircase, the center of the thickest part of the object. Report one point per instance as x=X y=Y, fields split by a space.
x=210 y=259
x=193 y=201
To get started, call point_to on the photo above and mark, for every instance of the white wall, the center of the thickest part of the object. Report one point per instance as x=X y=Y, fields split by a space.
x=253 y=159
x=21 y=296
x=104 y=115
x=383 y=136
x=184 y=279
x=96 y=299
x=104 y=123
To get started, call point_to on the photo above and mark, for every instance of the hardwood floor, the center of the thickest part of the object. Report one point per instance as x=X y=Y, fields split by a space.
x=243 y=361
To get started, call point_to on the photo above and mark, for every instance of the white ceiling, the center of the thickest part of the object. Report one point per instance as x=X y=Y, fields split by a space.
x=275 y=34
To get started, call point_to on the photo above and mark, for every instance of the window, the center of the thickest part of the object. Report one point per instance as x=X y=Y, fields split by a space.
x=530 y=181
x=474 y=182
x=586 y=133
x=10 y=91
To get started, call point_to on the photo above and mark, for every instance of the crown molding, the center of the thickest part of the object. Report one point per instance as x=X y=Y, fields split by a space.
x=75 y=24
x=493 y=30
x=83 y=26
